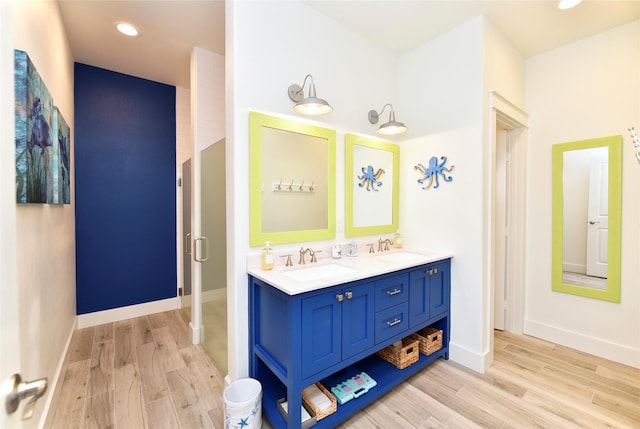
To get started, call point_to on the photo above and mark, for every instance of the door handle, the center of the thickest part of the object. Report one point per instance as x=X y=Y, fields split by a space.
x=23 y=390
x=205 y=240
x=187 y=243
x=593 y=222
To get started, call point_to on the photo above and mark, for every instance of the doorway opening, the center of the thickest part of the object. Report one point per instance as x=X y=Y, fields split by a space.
x=508 y=136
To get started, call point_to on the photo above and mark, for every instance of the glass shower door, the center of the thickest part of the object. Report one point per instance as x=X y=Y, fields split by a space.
x=214 y=269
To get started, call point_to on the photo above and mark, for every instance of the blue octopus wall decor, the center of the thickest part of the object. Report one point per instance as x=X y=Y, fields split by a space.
x=433 y=171
x=369 y=179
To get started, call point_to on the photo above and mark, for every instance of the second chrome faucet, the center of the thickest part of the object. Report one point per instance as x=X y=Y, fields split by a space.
x=311 y=253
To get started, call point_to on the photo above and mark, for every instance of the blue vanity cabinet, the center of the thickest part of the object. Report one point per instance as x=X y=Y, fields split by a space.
x=335 y=326
x=325 y=334
x=430 y=292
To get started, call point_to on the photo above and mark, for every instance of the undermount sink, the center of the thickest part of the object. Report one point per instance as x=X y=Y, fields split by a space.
x=318 y=272
x=398 y=257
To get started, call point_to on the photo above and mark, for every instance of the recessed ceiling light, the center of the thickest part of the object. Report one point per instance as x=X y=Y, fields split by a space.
x=568 y=4
x=127 y=29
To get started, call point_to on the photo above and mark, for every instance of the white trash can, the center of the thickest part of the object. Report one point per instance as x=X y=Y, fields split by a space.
x=243 y=404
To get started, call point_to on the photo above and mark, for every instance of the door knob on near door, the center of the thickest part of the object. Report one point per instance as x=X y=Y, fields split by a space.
x=593 y=222
x=23 y=390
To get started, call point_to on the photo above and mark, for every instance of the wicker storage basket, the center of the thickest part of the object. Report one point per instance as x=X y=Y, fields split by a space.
x=320 y=414
x=430 y=340
x=407 y=355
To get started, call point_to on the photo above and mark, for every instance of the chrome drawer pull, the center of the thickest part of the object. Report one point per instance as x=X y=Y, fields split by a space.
x=393 y=292
x=340 y=297
x=349 y=295
x=395 y=322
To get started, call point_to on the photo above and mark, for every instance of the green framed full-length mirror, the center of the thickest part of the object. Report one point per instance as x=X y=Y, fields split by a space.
x=586 y=221
x=371 y=186
x=292 y=181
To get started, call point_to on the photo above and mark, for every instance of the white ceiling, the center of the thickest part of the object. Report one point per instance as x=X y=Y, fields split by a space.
x=171 y=28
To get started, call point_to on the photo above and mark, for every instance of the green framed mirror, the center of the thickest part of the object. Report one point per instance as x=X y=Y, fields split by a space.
x=586 y=218
x=292 y=181
x=371 y=186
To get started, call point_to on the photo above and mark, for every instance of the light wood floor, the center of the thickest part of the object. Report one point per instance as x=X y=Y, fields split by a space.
x=584 y=280
x=143 y=373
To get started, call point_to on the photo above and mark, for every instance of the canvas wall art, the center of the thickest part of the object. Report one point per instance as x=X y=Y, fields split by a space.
x=42 y=139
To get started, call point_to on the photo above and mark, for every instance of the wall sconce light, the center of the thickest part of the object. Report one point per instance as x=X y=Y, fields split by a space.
x=388 y=128
x=311 y=105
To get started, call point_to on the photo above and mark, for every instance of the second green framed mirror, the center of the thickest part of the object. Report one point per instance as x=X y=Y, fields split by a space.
x=586 y=218
x=371 y=186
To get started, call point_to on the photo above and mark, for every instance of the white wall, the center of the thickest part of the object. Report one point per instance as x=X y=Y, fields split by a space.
x=269 y=47
x=444 y=87
x=588 y=89
x=504 y=66
x=443 y=95
x=46 y=233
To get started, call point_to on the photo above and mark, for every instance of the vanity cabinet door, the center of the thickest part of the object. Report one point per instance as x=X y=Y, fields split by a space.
x=439 y=288
x=357 y=320
x=321 y=338
x=336 y=325
x=428 y=292
x=419 y=297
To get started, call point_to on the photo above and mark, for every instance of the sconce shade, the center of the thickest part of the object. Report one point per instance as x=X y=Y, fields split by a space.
x=392 y=127
x=312 y=105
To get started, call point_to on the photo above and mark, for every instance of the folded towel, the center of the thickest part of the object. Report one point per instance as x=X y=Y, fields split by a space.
x=317 y=397
x=304 y=415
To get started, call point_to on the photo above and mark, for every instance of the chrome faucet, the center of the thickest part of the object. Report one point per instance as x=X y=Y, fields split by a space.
x=385 y=242
x=288 y=263
x=311 y=253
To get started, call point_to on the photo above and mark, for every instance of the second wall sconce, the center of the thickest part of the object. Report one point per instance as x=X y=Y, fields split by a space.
x=311 y=105
x=388 y=128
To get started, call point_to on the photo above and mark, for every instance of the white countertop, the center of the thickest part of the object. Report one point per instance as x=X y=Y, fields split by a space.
x=339 y=271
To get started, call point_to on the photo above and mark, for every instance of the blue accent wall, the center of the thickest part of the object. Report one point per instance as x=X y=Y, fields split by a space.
x=125 y=193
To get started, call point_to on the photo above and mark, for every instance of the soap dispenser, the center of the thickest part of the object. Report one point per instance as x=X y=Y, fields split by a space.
x=397 y=240
x=267 y=257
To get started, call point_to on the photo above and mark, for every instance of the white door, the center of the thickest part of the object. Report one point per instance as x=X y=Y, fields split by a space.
x=9 y=345
x=501 y=235
x=598 y=220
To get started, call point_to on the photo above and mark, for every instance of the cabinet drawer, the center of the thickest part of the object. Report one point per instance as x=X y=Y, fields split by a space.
x=391 y=291
x=391 y=321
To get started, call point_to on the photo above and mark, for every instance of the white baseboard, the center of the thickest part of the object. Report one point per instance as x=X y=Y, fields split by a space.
x=53 y=382
x=128 y=312
x=574 y=268
x=595 y=346
x=472 y=360
x=197 y=333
